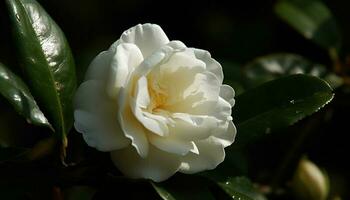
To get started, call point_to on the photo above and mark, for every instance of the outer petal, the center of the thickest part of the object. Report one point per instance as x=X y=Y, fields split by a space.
x=100 y=66
x=103 y=135
x=157 y=166
x=148 y=37
x=125 y=59
x=226 y=133
x=158 y=57
x=211 y=154
x=228 y=93
x=212 y=65
x=95 y=117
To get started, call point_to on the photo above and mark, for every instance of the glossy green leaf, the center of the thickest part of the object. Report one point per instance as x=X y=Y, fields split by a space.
x=47 y=62
x=18 y=94
x=240 y=188
x=312 y=19
x=183 y=187
x=278 y=104
x=270 y=67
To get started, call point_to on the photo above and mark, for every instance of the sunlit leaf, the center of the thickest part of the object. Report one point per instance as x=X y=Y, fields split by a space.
x=312 y=19
x=270 y=67
x=18 y=94
x=46 y=60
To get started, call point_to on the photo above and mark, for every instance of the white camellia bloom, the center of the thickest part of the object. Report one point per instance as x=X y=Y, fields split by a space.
x=158 y=106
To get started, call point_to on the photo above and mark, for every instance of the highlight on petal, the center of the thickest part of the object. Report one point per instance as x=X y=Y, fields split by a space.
x=125 y=59
x=148 y=37
x=157 y=166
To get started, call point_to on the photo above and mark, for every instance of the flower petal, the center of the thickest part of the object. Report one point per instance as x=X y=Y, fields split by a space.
x=99 y=67
x=133 y=130
x=204 y=88
x=141 y=101
x=226 y=133
x=91 y=96
x=192 y=127
x=95 y=117
x=126 y=58
x=157 y=166
x=173 y=145
x=212 y=65
x=211 y=154
x=228 y=93
x=148 y=37
x=104 y=135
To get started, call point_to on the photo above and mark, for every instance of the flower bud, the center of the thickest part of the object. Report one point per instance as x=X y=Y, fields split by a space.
x=309 y=182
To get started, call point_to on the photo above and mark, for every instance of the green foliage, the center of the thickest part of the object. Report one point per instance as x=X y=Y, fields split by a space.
x=270 y=67
x=312 y=19
x=18 y=94
x=272 y=93
x=46 y=60
x=240 y=188
x=278 y=104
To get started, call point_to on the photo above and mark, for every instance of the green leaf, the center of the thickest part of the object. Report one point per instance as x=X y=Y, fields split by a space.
x=278 y=104
x=237 y=187
x=312 y=19
x=47 y=61
x=240 y=188
x=183 y=187
x=162 y=192
x=17 y=93
x=270 y=67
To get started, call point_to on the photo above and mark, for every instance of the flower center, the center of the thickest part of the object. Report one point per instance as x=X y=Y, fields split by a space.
x=158 y=96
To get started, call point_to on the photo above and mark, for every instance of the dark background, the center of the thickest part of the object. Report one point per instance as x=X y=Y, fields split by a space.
x=233 y=31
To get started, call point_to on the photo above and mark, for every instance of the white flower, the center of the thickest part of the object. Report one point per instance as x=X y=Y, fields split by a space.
x=158 y=106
